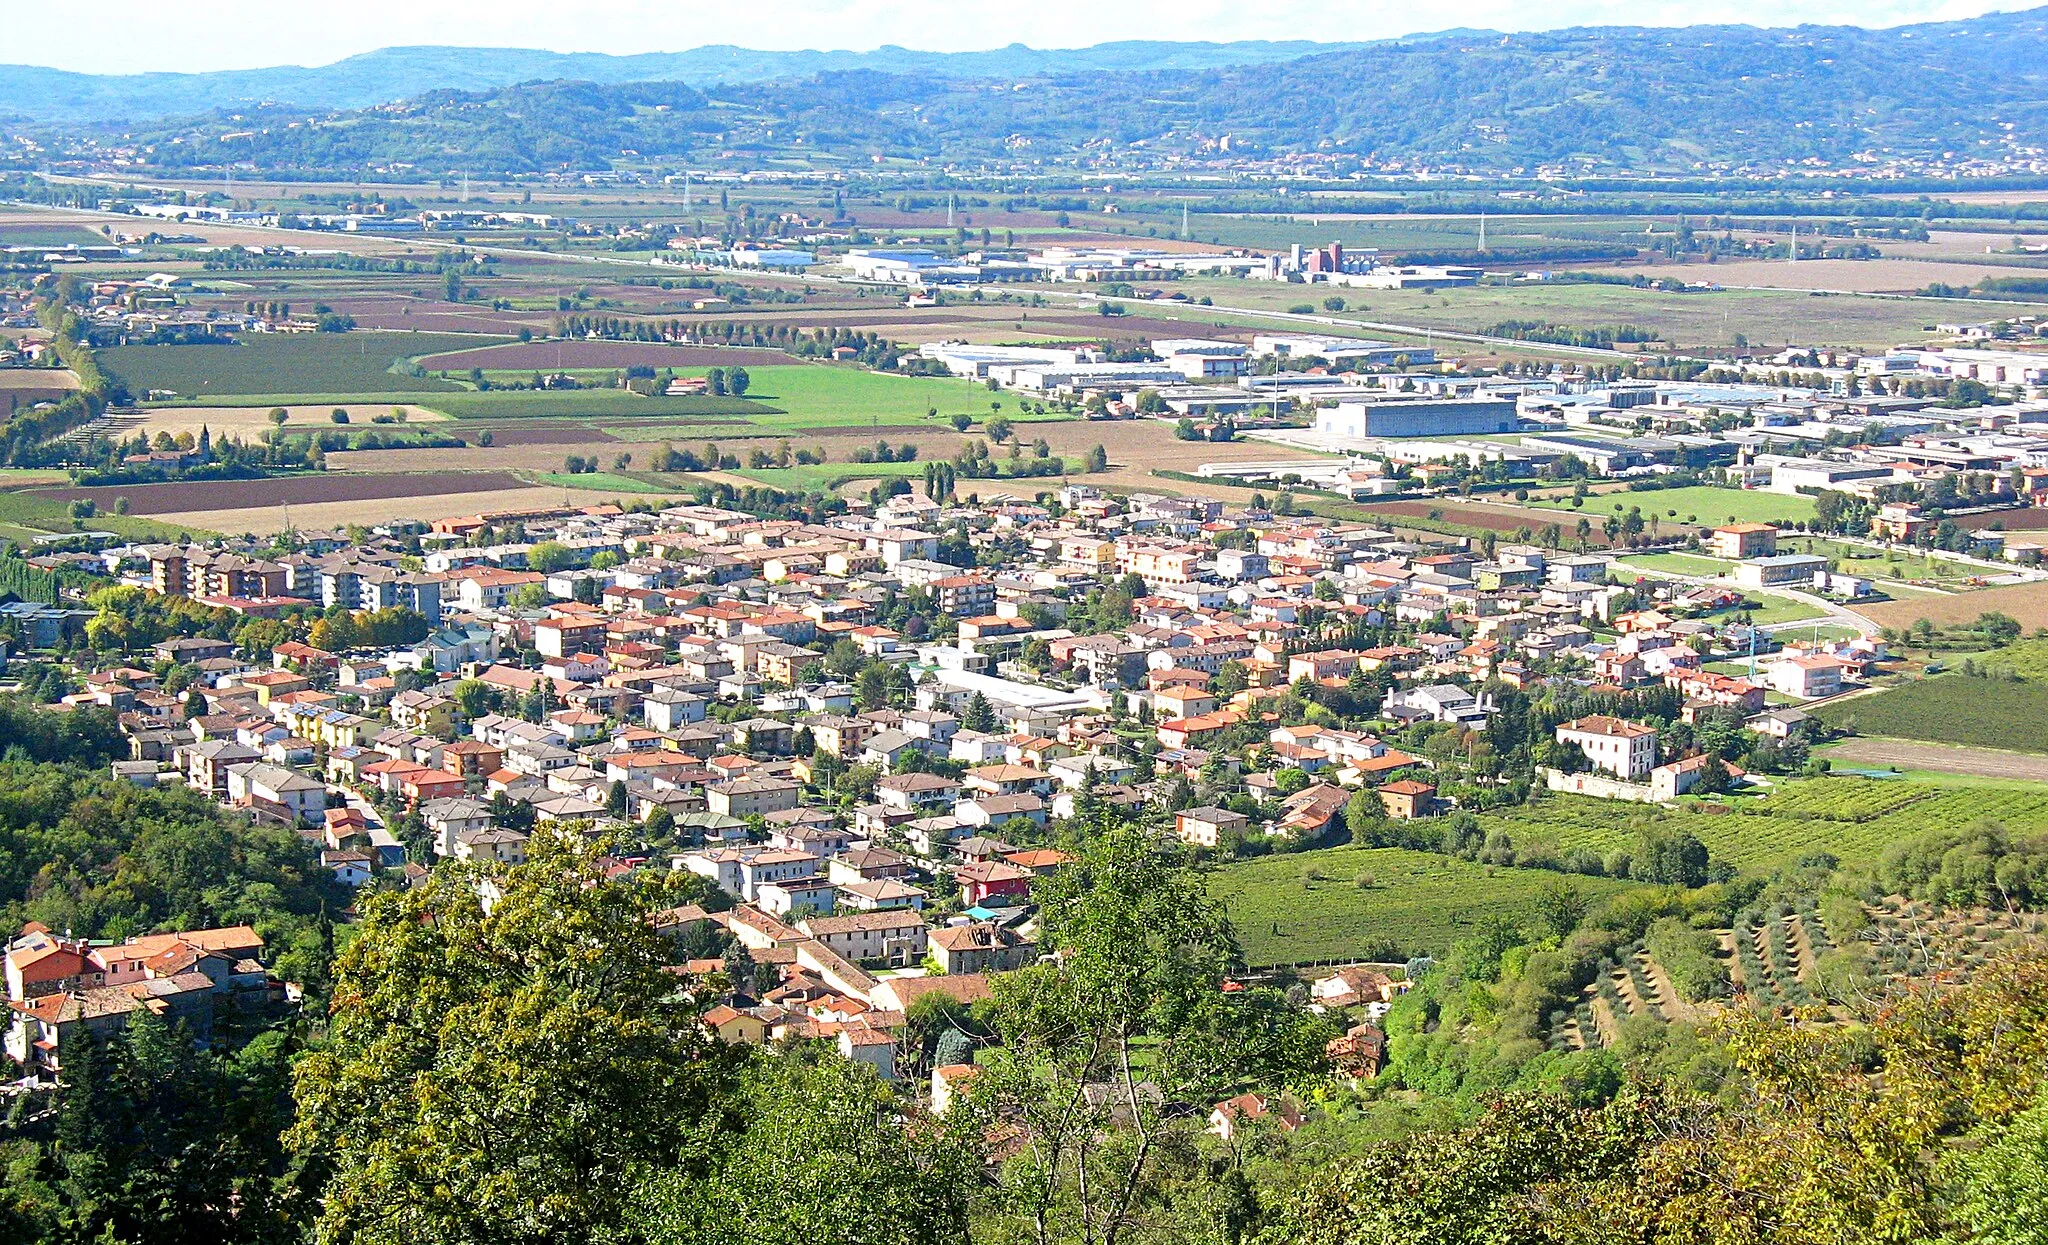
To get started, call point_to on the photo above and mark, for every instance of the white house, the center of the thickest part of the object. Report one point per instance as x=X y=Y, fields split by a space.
x=1627 y=750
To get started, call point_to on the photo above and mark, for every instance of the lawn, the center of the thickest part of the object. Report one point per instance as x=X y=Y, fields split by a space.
x=279 y=363
x=1308 y=906
x=1677 y=564
x=1952 y=709
x=1703 y=504
x=1776 y=609
x=1873 y=564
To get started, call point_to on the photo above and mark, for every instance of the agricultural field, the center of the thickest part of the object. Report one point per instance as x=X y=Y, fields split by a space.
x=553 y=356
x=607 y=481
x=301 y=363
x=1310 y=906
x=308 y=489
x=1944 y=764
x=597 y=405
x=811 y=395
x=252 y=423
x=25 y=514
x=827 y=476
x=2023 y=659
x=2026 y=602
x=1840 y=816
x=1701 y=504
x=1951 y=709
x=1709 y=318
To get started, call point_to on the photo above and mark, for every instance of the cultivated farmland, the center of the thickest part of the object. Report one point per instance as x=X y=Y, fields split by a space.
x=303 y=363
x=1841 y=816
x=1952 y=709
x=2026 y=602
x=570 y=355
x=1310 y=906
x=310 y=489
x=1706 y=505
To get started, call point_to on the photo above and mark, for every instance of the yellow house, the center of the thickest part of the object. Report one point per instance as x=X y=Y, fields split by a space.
x=1090 y=553
x=427 y=712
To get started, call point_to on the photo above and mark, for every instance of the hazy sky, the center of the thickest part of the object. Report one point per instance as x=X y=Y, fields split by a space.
x=121 y=36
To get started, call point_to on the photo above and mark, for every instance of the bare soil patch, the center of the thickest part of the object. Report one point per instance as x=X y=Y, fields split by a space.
x=2026 y=602
x=1942 y=758
x=369 y=511
x=37 y=379
x=301 y=490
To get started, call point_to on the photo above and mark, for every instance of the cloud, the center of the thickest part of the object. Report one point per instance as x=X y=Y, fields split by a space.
x=129 y=36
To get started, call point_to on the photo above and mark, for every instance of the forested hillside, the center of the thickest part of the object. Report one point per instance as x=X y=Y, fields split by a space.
x=1704 y=97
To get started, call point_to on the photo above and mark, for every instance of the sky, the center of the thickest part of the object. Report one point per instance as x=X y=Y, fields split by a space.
x=131 y=36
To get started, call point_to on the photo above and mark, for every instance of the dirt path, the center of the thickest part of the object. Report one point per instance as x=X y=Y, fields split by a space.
x=1673 y=1005
x=1942 y=758
x=1737 y=978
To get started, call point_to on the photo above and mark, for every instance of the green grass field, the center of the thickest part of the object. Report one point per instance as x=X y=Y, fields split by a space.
x=1677 y=563
x=2028 y=659
x=23 y=516
x=1776 y=609
x=1698 y=504
x=300 y=363
x=12 y=234
x=1953 y=709
x=1873 y=564
x=810 y=395
x=594 y=404
x=1419 y=901
x=604 y=481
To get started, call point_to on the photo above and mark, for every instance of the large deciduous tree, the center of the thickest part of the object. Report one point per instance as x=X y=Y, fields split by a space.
x=506 y=1070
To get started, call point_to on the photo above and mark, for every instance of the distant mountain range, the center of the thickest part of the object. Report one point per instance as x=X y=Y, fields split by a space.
x=1702 y=99
x=391 y=74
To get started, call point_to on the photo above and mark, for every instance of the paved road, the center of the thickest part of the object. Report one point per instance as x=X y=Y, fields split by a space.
x=1942 y=758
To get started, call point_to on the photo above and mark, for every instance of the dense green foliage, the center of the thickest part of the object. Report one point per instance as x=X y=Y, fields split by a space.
x=1621 y=96
x=154 y=1141
x=91 y=854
